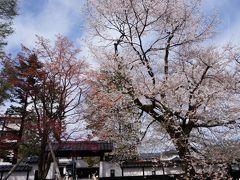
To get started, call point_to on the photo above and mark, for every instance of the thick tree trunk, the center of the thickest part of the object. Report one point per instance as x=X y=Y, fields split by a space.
x=179 y=134
x=182 y=147
x=43 y=160
x=180 y=137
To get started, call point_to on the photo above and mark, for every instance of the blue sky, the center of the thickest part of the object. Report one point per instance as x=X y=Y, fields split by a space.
x=46 y=18
x=50 y=17
x=229 y=14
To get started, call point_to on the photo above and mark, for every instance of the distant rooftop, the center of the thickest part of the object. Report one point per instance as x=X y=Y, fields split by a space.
x=170 y=153
x=6 y=168
x=81 y=148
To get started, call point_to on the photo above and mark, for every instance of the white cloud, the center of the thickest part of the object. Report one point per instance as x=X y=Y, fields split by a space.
x=56 y=16
x=64 y=17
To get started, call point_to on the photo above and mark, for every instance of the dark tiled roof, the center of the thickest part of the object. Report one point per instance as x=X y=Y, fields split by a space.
x=138 y=164
x=155 y=155
x=149 y=155
x=82 y=146
x=170 y=153
x=5 y=168
x=151 y=163
x=135 y=164
x=176 y=159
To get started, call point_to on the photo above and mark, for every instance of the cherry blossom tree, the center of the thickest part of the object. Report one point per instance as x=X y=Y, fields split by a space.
x=110 y=116
x=156 y=52
x=48 y=84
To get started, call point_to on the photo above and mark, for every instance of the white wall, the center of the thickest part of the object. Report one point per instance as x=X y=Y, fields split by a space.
x=148 y=171
x=17 y=176
x=51 y=172
x=133 y=172
x=139 y=171
x=173 y=170
x=105 y=169
x=32 y=172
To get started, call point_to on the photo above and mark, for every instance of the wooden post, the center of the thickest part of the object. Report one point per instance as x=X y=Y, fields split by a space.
x=13 y=168
x=27 y=175
x=102 y=157
x=55 y=161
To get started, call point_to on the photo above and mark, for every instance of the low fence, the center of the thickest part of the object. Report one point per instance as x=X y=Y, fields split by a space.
x=157 y=177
